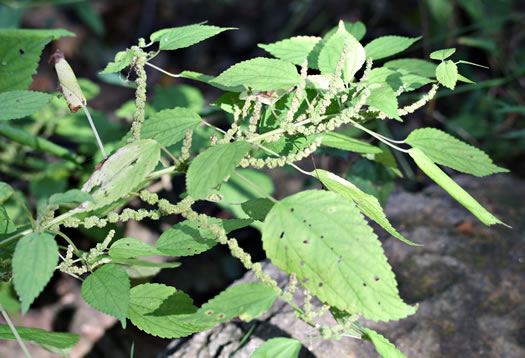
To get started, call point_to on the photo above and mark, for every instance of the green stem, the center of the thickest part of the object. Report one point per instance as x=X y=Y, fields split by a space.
x=15 y=332
x=101 y=146
x=70 y=242
x=255 y=186
x=22 y=137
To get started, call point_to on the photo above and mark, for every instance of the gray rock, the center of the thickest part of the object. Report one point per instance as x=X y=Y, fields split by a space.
x=468 y=279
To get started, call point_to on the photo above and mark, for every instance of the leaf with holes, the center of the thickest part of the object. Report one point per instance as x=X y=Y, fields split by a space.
x=70 y=196
x=187 y=238
x=263 y=74
x=384 y=99
x=333 y=49
x=383 y=346
x=278 y=348
x=34 y=261
x=325 y=240
x=108 y=290
x=387 y=46
x=57 y=340
x=160 y=310
x=185 y=36
x=446 y=150
x=212 y=166
x=447 y=74
x=341 y=141
x=129 y=247
x=368 y=204
x=121 y=173
x=443 y=180
x=295 y=49
x=246 y=301
x=18 y=104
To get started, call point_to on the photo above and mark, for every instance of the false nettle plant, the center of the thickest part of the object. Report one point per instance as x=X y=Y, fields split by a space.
x=281 y=110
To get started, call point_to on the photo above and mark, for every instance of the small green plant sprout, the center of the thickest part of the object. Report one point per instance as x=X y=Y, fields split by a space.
x=315 y=93
x=71 y=90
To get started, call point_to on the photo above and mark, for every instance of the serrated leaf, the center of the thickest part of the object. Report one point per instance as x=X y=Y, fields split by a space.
x=41 y=337
x=19 y=57
x=18 y=104
x=6 y=225
x=457 y=192
x=383 y=346
x=395 y=78
x=34 y=261
x=367 y=204
x=160 y=310
x=185 y=36
x=447 y=74
x=332 y=50
x=387 y=46
x=212 y=166
x=246 y=301
x=122 y=60
x=5 y=192
x=341 y=141
x=441 y=55
x=295 y=49
x=356 y=29
x=169 y=126
x=187 y=238
x=325 y=240
x=257 y=208
x=263 y=74
x=444 y=149
x=121 y=173
x=108 y=290
x=384 y=99
x=129 y=247
x=70 y=196
x=278 y=348
x=413 y=65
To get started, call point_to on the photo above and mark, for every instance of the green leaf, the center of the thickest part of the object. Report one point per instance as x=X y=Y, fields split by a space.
x=278 y=348
x=263 y=74
x=122 y=60
x=257 y=208
x=356 y=29
x=187 y=238
x=6 y=225
x=472 y=64
x=19 y=57
x=367 y=204
x=441 y=55
x=130 y=247
x=383 y=346
x=185 y=36
x=387 y=46
x=295 y=49
x=464 y=79
x=70 y=196
x=246 y=301
x=341 y=141
x=18 y=104
x=186 y=96
x=108 y=290
x=396 y=78
x=41 y=337
x=5 y=192
x=332 y=50
x=447 y=74
x=160 y=310
x=169 y=126
x=34 y=261
x=143 y=263
x=122 y=172
x=212 y=166
x=53 y=34
x=444 y=181
x=384 y=99
x=413 y=65
x=325 y=240
x=446 y=150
